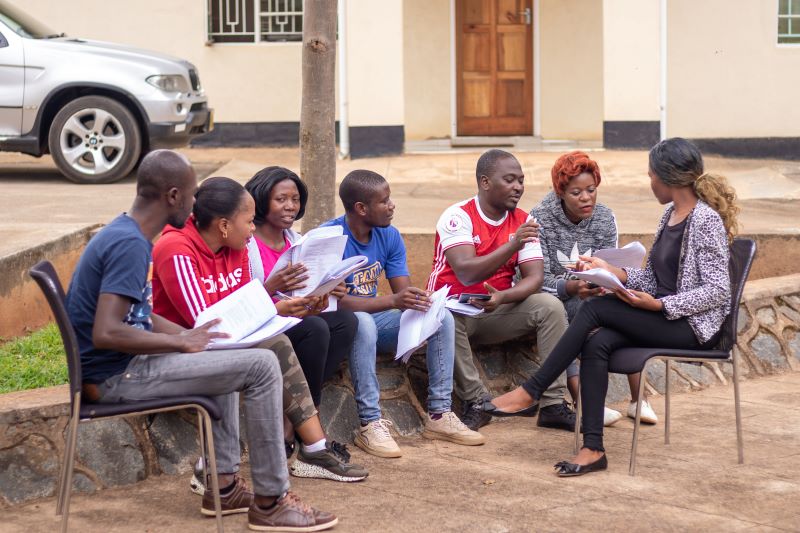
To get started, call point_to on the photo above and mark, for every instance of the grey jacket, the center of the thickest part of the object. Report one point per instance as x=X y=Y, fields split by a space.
x=559 y=235
x=704 y=283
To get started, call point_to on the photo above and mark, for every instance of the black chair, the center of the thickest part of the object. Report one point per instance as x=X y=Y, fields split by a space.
x=634 y=360
x=45 y=275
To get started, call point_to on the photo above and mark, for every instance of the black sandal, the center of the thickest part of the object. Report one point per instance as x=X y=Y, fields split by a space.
x=567 y=469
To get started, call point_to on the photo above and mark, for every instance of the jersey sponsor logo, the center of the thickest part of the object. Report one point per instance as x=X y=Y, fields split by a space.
x=364 y=281
x=223 y=282
x=453 y=224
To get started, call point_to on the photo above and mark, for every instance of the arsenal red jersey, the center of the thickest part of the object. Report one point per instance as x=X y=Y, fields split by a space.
x=464 y=224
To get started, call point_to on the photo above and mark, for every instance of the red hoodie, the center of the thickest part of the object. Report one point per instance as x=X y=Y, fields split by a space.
x=188 y=276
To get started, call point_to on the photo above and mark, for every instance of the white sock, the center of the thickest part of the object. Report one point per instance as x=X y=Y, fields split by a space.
x=315 y=447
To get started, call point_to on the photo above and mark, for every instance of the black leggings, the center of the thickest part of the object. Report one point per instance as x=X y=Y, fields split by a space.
x=620 y=326
x=321 y=343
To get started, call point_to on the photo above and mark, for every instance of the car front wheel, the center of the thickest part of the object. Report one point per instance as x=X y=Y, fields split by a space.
x=94 y=139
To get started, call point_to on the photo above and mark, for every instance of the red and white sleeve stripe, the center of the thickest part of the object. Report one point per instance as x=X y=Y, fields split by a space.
x=190 y=288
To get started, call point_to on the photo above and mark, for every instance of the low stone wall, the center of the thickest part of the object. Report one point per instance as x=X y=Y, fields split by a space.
x=124 y=451
x=22 y=307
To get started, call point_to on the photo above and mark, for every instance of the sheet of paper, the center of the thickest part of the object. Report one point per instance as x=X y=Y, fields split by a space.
x=600 y=277
x=319 y=255
x=417 y=326
x=242 y=313
x=275 y=326
x=337 y=274
x=631 y=255
x=462 y=309
x=293 y=254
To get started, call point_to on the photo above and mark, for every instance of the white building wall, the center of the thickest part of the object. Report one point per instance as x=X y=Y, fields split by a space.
x=630 y=60
x=727 y=76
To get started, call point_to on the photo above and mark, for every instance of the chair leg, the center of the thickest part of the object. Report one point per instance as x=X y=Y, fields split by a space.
x=578 y=415
x=212 y=459
x=636 y=423
x=666 y=400
x=738 y=407
x=66 y=486
x=201 y=431
x=62 y=475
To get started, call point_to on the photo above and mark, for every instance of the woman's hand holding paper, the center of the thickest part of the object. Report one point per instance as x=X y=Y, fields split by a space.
x=288 y=279
x=639 y=299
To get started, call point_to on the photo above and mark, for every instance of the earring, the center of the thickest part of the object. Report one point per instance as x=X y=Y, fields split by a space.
x=224 y=234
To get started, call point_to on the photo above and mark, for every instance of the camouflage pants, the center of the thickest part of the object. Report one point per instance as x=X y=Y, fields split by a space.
x=297 y=403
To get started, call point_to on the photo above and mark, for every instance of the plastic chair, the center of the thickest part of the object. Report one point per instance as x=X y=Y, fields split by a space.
x=47 y=279
x=634 y=360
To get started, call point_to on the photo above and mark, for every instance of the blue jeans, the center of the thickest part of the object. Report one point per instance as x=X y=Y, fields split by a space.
x=377 y=332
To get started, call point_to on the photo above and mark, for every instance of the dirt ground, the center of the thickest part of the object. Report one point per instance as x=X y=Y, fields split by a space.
x=508 y=485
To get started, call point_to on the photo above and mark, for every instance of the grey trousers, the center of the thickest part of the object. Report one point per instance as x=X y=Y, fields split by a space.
x=541 y=313
x=222 y=375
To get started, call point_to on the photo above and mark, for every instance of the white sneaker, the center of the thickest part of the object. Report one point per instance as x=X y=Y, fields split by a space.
x=648 y=416
x=450 y=428
x=375 y=438
x=611 y=417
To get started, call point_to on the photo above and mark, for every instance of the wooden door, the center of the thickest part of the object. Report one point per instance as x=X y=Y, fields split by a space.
x=494 y=65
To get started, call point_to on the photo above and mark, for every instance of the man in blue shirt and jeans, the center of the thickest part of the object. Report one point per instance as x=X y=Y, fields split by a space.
x=367 y=224
x=129 y=354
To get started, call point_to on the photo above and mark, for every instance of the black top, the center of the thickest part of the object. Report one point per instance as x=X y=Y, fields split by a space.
x=665 y=258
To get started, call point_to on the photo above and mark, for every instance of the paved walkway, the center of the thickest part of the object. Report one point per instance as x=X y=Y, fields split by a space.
x=38 y=204
x=507 y=485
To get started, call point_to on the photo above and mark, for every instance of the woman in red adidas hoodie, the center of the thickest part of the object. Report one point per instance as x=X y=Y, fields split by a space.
x=205 y=261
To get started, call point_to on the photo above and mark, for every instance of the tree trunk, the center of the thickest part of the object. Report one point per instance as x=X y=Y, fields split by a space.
x=317 y=114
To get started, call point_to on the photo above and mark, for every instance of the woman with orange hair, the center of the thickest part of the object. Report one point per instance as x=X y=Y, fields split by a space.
x=573 y=224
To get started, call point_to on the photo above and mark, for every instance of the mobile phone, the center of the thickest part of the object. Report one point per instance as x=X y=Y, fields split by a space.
x=465 y=297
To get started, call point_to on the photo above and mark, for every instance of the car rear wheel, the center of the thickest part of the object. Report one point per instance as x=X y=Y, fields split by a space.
x=94 y=139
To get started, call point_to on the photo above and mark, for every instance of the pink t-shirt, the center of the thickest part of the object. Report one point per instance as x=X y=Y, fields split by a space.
x=269 y=256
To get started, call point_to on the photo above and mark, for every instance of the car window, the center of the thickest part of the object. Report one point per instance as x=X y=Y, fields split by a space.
x=22 y=24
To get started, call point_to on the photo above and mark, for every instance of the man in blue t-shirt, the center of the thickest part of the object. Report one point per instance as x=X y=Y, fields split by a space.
x=129 y=354
x=367 y=224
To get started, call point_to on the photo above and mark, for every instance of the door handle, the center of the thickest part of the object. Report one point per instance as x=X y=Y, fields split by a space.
x=527 y=14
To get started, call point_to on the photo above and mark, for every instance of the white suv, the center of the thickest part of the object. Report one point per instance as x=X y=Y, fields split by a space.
x=96 y=107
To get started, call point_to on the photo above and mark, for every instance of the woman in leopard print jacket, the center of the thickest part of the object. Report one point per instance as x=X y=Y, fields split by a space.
x=703 y=283
x=678 y=300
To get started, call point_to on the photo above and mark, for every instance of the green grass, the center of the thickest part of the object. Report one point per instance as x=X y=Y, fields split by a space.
x=36 y=360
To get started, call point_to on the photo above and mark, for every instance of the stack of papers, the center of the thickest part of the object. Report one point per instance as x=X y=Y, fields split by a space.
x=629 y=256
x=320 y=250
x=417 y=326
x=600 y=277
x=247 y=315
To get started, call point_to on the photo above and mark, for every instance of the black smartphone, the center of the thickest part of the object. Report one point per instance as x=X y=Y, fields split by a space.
x=465 y=297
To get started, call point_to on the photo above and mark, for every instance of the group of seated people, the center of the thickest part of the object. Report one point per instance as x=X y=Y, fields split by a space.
x=134 y=305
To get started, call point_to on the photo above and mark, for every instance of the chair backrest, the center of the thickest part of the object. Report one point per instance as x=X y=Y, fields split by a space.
x=742 y=253
x=47 y=278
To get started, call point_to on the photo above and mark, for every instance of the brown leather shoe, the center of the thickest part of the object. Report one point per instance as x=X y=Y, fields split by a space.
x=289 y=514
x=237 y=500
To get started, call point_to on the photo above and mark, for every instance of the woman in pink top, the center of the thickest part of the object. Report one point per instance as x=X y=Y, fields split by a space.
x=323 y=341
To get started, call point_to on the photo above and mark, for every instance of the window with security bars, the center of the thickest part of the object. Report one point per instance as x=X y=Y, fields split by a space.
x=253 y=21
x=788 y=21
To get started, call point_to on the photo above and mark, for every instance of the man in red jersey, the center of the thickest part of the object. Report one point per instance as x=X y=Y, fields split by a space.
x=480 y=244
